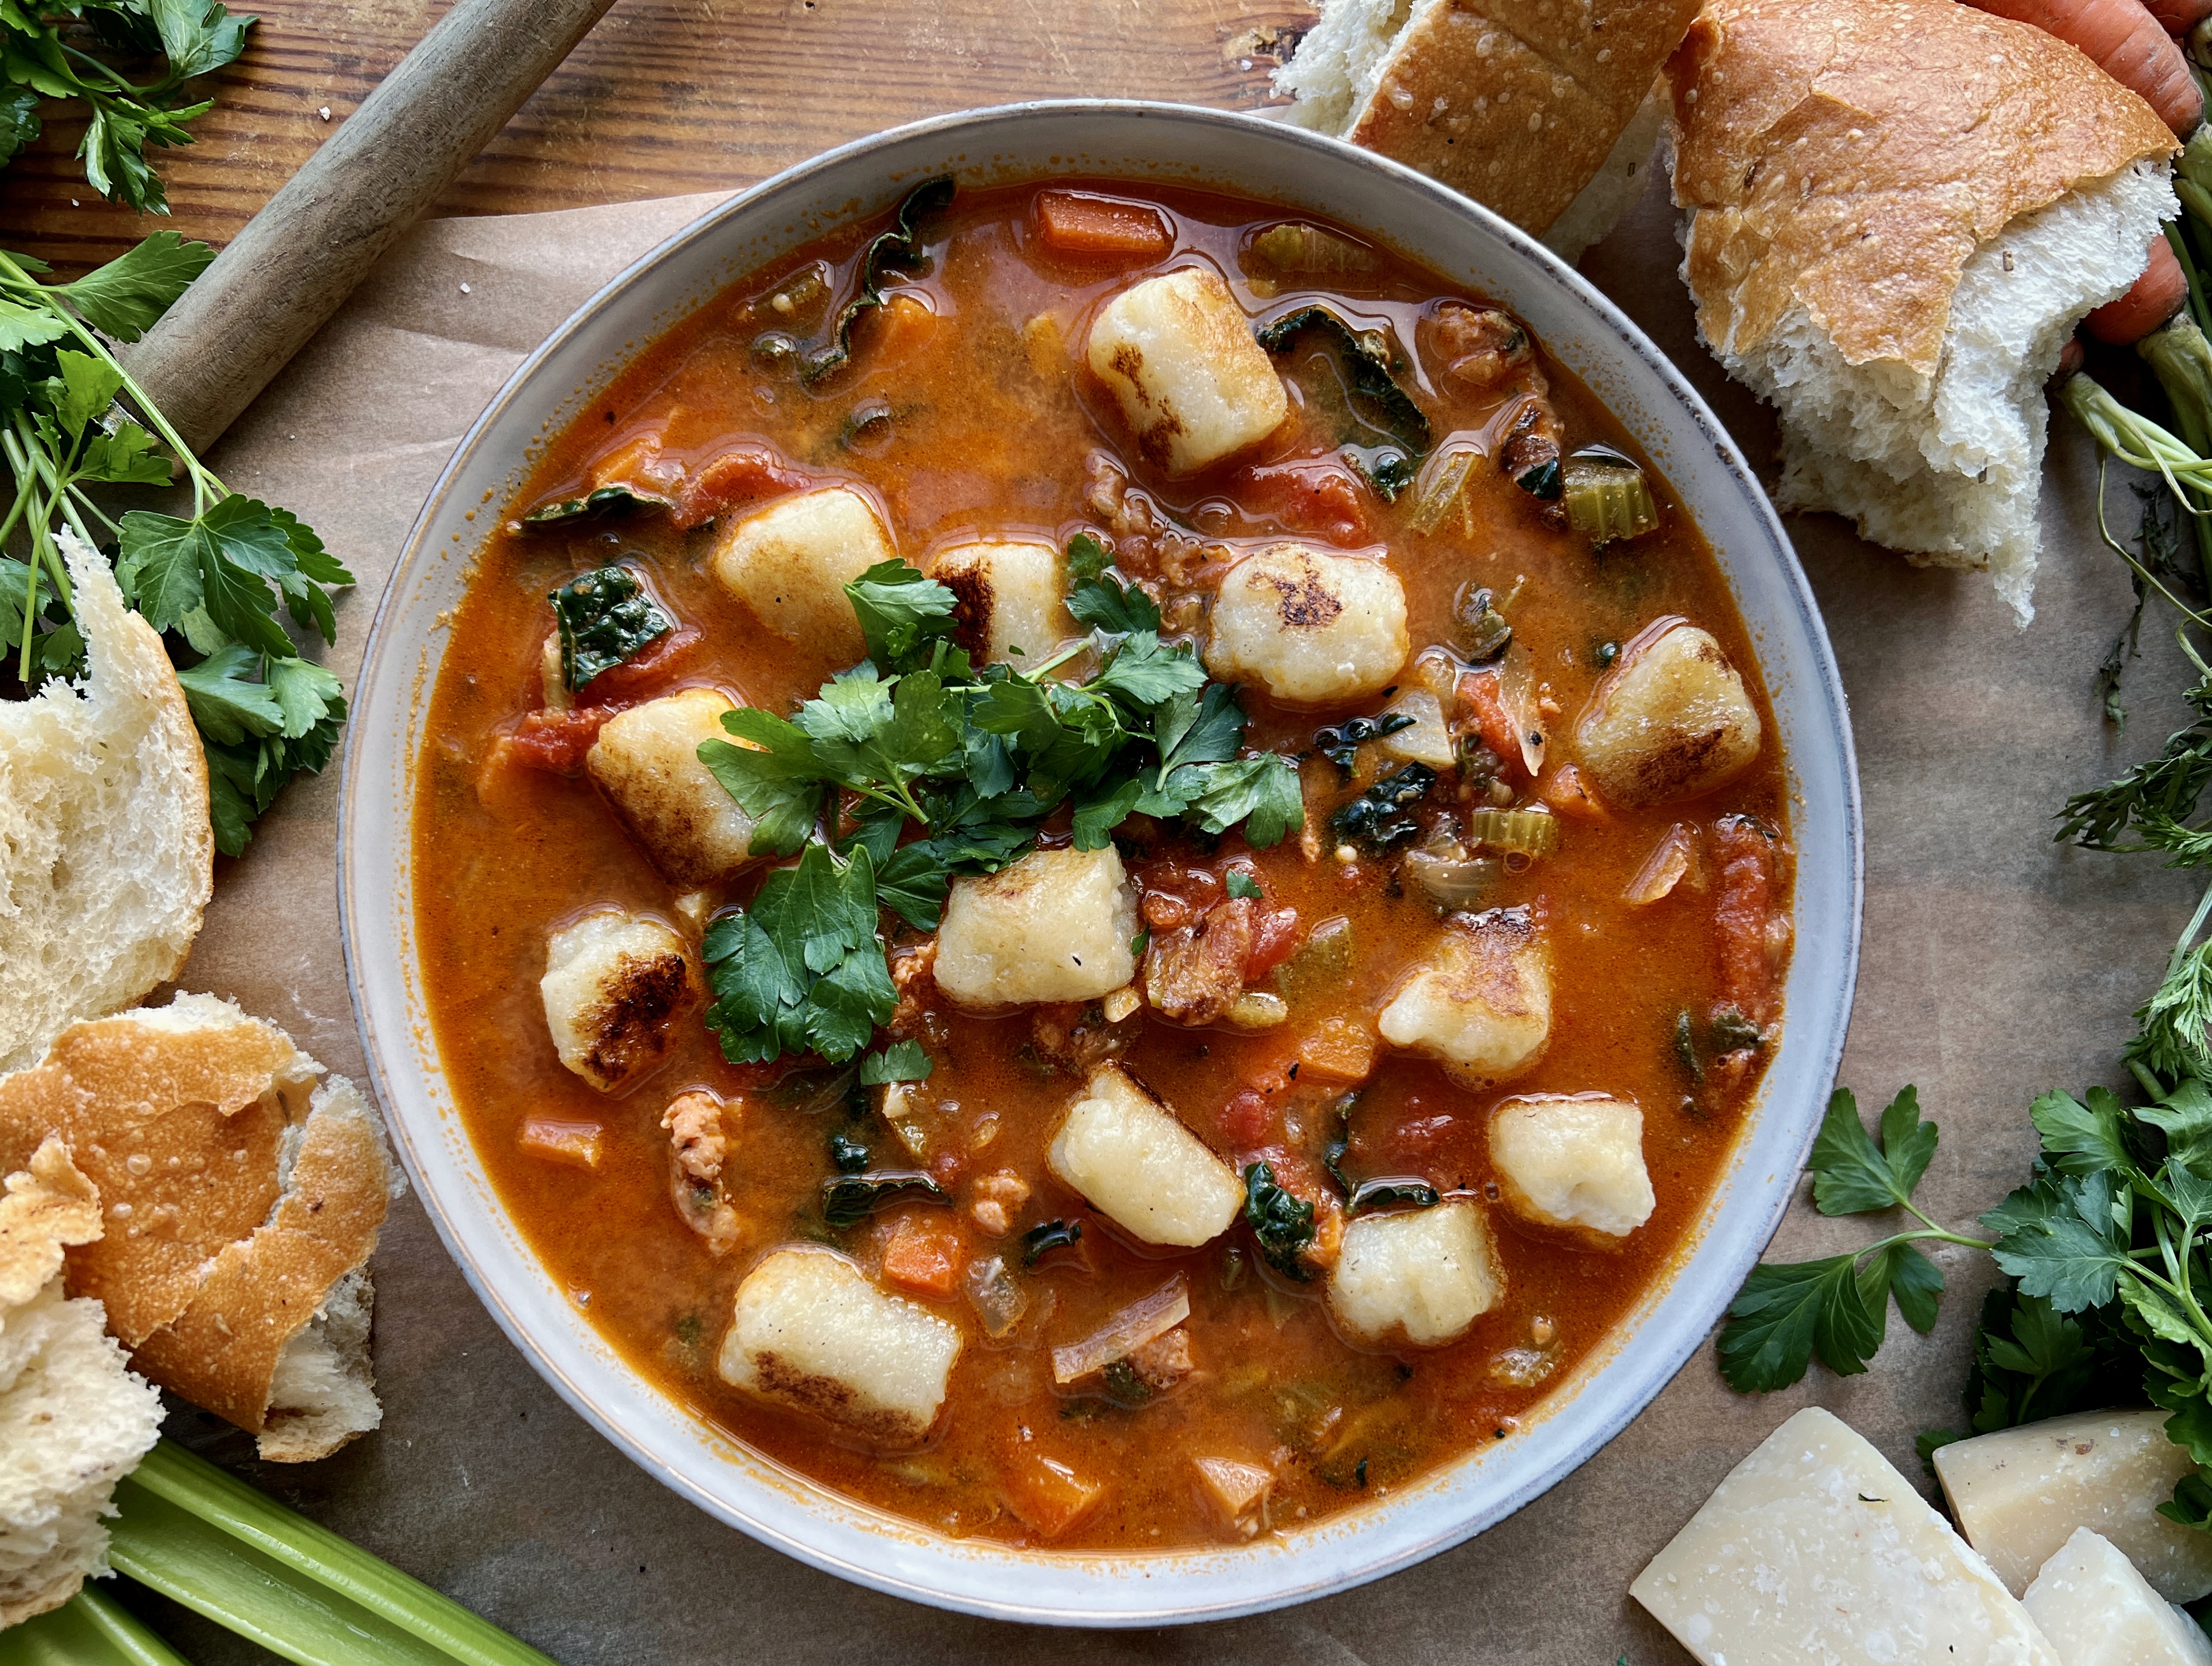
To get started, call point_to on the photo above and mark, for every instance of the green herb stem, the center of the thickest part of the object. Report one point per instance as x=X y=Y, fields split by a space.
x=90 y=1629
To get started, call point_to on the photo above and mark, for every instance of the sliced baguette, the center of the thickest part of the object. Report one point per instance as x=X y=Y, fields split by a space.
x=1529 y=106
x=1898 y=211
x=73 y=1418
x=106 y=859
x=242 y=1202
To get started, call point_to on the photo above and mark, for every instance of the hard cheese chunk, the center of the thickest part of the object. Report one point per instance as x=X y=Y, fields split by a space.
x=810 y=1331
x=1135 y=1163
x=1426 y=1274
x=1055 y=926
x=2018 y=1494
x=2098 y=1611
x=1308 y=627
x=1573 y=1163
x=791 y=563
x=1011 y=601
x=1177 y=352
x=647 y=762
x=1815 y=1549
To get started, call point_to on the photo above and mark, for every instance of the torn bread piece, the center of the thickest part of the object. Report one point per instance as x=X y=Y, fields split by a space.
x=1898 y=212
x=241 y=1202
x=74 y=1420
x=106 y=858
x=1540 y=109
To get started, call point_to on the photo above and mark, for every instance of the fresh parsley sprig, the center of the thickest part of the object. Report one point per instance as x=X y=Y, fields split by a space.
x=72 y=422
x=1837 y=1308
x=936 y=767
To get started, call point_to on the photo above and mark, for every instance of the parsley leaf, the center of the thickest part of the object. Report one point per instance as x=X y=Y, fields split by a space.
x=803 y=969
x=1088 y=559
x=1850 y=1175
x=1787 y=1312
x=902 y=1062
x=901 y=613
x=775 y=779
x=1106 y=604
x=127 y=296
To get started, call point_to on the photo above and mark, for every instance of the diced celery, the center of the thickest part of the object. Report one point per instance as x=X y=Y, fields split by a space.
x=1530 y=832
x=90 y=1629
x=1607 y=496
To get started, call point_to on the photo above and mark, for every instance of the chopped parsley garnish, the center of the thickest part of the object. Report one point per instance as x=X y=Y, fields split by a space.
x=604 y=616
x=948 y=768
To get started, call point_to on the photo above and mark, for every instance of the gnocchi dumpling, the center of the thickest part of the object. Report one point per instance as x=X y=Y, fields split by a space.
x=810 y=1331
x=1480 y=1002
x=1194 y=386
x=1137 y=1165
x=1424 y=1274
x=646 y=760
x=1012 y=605
x=1670 y=721
x=615 y=984
x=1055 y=926
x=1574 y=1162
x=791 y=563
x=1307 y=626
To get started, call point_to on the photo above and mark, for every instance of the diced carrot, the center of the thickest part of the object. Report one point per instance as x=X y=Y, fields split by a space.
x=2156 y=296
x=1568 y=791
x=2125 y=42
x=1048 y=1497
x=574 y=1144
x=924 y=1257
x=1338 y=1049
x=1082 y=223
x=1275 y=938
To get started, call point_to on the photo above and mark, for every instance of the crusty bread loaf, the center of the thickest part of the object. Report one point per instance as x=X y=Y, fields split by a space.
x=1523 y=104
x=242 y=1202
x=73 y=1420
x=1898 y=211
x=105 y=855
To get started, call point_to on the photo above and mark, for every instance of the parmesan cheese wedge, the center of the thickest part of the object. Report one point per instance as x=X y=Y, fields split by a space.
x=2019 y=1493
x=2098 y=1611
x=1814 y=1548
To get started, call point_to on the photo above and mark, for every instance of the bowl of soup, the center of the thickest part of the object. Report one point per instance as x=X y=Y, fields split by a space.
x=1101 y=864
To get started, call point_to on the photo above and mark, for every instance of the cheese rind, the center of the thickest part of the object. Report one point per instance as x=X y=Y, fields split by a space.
x=2098 y=1611
x=1815 y=1549
x=2018 y=1494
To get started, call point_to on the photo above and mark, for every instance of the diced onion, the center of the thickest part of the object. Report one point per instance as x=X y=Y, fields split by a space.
x=1445 y=481
x=1530 y=832
x=1662 y=869
x=1425 y=740
x=1256 y=1009
x=1125 y=1332
x=1606 y=496
x=1452 y=883
x=1516 y=691
x=1297 y=249
x=997 y=1300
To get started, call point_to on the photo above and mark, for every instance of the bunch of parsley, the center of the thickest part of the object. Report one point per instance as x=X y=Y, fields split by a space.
x=917 y=765
x=74 y=426
x=43 y=56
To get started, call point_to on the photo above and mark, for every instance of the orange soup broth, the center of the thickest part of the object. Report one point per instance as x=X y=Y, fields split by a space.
x=990 y=426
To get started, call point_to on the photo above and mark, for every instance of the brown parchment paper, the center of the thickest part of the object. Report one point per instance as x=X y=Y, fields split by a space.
x=1995 y=964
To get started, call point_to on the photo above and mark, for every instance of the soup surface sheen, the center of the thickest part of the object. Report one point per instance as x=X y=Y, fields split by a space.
x=968 y=412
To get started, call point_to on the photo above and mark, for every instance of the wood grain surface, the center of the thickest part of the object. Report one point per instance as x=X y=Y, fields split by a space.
x=665 y=96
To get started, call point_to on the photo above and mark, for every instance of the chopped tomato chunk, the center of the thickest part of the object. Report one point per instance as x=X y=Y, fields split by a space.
x=1478 y=695
x=924 y=1257
x=1081 y=222
x=737 y=476
x=554 y=741
x=1050 y=1498
x=1754 y=935
x=1317 y=495
x=574 y=1144
x=1275 y=939
x=623 y=684
x=1247 y=1120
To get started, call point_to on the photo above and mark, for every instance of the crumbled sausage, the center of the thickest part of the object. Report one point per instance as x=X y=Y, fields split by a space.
x=1163 y=1362
x=1075 y=1035
x=993 y=1199
x=1193 y=973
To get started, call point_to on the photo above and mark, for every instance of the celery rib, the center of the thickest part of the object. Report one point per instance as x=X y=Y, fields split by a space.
x=209 y=1541
x=88 y=1630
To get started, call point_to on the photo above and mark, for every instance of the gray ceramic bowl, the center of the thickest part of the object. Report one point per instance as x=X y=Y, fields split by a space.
x=1280 y=164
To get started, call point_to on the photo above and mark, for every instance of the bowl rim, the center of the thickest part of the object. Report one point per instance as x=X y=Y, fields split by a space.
x=1826 y=696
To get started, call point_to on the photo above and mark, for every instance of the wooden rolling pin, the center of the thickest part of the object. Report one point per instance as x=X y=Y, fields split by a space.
x=299 y=259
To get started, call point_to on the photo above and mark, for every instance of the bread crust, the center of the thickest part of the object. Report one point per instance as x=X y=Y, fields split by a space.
x=1517 y=102
x=1851 y=154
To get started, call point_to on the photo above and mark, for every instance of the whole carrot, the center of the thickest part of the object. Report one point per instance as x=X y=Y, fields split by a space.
x=2179 y=16
x=2157 y=295
x=2124 y=40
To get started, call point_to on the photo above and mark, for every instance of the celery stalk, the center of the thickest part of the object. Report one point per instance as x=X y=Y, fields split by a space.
x=88 y=1630
x=215 y=1546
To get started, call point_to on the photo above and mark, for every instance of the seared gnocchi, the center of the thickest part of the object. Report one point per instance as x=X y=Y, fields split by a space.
x=1576 y=1162
x=1308 y=627
x=1012 y=600
x=1671 y=721
x=791 y=563
x=646 y=760
x=1058 y=925
x=1422 y=1275
x=1137 y=1165
x=1480 y=1002
x=1193 y=386
x=615 y=984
